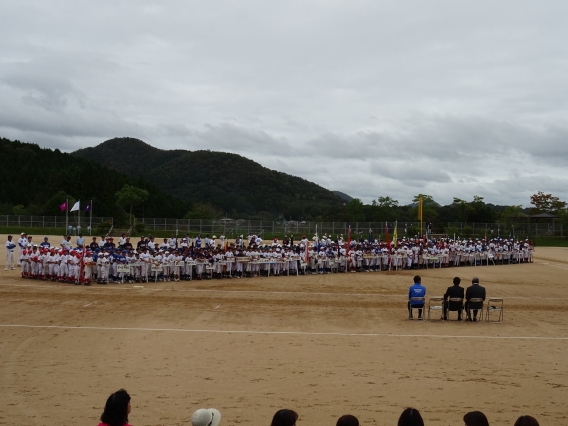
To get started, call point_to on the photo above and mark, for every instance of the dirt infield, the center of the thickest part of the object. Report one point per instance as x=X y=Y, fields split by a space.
x=322 y=345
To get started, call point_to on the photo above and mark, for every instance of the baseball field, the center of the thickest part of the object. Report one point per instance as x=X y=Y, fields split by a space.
x=323 y=345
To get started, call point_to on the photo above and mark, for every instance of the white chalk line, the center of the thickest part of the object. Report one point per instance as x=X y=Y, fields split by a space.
x=559 y=267
x=89 y=304
x=302 y=293
x=405 y=296
x=64 y=286
x=292 y=333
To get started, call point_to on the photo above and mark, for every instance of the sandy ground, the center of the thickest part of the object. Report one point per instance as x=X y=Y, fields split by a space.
x=323 y=345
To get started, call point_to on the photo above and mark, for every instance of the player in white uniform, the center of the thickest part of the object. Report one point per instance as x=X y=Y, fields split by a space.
x=88 y=268
x=22 y=244
x=45 y=264
x=10 y=247
x=25 y=263
x=105 y=267
x=75 y=268
x=172 y=243
x=145 y=264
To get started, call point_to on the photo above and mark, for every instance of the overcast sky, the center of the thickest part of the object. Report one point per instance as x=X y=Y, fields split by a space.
x=372 y=98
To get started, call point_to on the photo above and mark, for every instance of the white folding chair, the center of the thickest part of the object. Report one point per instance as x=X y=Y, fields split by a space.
x=417 y=300
x=455 y=300
x=436 y=304
x=480 y=310
x=494 y=306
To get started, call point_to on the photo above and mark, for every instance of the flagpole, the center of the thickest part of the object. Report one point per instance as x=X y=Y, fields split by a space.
x=420 y=206
x=91 y=218
x=66 y=215
x=79 y=216
x=395 y=234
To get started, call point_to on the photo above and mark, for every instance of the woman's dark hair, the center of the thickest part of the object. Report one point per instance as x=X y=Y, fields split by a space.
x=475 y=418
x=410 y=417
x=116 y=409
x=526 y=421
x=284 y=418
x=347 y=420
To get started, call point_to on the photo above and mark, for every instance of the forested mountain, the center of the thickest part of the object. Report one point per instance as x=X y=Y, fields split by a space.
x=239 y=186
x=205 y=184
x=343 y=196
x=38 y=180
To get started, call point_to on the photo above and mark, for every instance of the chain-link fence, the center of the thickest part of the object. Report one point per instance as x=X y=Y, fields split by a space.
x=518 y=229
x=51 y=221
x=231 y=228
x=266 y=229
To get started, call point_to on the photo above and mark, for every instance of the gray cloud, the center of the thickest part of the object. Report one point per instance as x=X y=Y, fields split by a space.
x=370 y=98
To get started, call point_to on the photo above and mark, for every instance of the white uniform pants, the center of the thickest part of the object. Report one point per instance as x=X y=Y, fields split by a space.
x=9 y=260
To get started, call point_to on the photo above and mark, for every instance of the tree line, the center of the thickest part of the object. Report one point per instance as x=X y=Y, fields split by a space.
x=38 y=180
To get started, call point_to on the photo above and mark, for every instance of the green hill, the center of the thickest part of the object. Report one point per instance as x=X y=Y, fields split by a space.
x=234 y=183
x=40 y=179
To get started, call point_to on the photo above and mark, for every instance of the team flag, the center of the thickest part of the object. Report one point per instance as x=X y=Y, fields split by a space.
x=63 y=206
x=76 y=206
x=89 y=207
x=394 y=234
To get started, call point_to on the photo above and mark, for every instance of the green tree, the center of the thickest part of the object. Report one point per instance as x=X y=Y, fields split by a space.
x=461 y=208
x=19 y=210
x=130 y=196
x=429 y=208
x=355 y=211
x=52 y=205
x=512 y=212
x=204 y=211
x=385 y=202
x=384 y=209
x=473 y=211
x=546 y=203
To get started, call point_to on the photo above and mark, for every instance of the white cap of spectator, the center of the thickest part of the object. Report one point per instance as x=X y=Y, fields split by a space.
x=206 y=417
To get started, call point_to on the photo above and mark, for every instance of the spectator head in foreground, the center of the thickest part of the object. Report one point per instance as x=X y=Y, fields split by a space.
x=347 y=420
x=116 y=409
x=206 y=417
x=526 y=421
x=410 y=417
x=284 y=418
x=475 y=418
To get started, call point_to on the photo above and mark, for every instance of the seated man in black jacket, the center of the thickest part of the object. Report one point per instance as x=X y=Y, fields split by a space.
x=475 y=291
x=451 y=292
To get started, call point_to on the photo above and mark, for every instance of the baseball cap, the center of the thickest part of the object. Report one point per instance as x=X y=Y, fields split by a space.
x=206 y=417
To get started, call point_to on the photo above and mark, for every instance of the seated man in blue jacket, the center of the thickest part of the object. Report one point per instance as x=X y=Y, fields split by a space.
x=416 y=290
